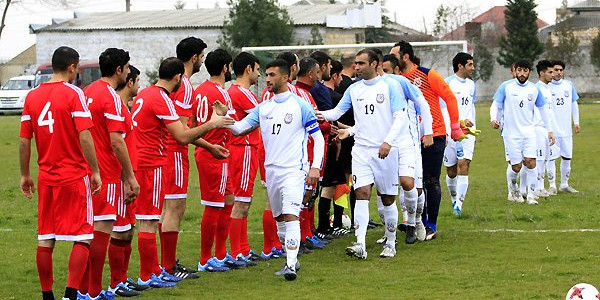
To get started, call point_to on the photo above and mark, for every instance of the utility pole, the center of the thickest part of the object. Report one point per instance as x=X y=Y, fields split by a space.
x=127 y=5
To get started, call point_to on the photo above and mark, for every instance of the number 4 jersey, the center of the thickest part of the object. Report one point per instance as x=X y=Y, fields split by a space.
x=518 y=101
x=55 y=113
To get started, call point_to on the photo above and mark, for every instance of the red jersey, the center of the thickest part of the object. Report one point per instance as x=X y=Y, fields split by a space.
x=207 y=93
x=434 y=87
x=243 y=101
x=152 y=110
x=55 y=113
x=106 y=108
x=182 y=99
x=129 y=137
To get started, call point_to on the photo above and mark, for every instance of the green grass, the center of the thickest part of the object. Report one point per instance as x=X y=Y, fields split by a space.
x=469 y=260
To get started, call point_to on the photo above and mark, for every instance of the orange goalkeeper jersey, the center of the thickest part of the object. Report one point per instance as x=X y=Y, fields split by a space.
x=433 y=87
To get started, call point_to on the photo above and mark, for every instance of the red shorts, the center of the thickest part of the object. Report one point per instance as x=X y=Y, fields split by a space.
x=214 y=181
x=150 y=199
x=261 y=164
x=105 y=202
x=125 y=214
x=177 y=172
x=65 y=213
x=243 y=162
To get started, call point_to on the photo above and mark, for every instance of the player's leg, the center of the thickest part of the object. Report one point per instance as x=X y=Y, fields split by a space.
x=566 y=153
x=551 y=168
x=432 y=163
x=450 y=161
x=513 y=150
x=406 y=174
x=386 y=173
x=541 y=153
x=462 y=181
x=46 y=241
x=529 y=148
x=223 y=228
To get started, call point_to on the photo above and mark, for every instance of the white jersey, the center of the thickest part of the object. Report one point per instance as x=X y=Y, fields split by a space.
x=517 y=103
x=563 y=96
x=285 y=122
x=412 y=93
x=549 y=104
x=374 y=102
x=464 y=91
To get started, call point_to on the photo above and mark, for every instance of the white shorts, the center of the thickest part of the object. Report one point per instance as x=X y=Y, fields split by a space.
x=406 y=161
x=565 y=143
x=418 y=166
x=368 y=168
x=519 y=148
x=542 y=151
x=451 y=156
x=285 y=188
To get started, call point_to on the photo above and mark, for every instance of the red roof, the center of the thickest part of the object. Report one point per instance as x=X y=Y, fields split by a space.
x=494 y=18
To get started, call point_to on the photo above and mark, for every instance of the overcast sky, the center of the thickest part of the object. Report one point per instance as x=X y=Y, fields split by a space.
x=414 y=14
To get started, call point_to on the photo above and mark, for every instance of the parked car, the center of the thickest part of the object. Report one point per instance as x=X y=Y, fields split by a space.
x=12 y=94
x=89 y=71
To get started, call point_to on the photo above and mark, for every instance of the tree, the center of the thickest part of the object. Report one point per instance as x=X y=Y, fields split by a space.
x=563 y=44
x=450 y=17
x=595 y=53
x=179 y=4
x=256 y=23
x=315 y=36
x=5 y=4
x=380 y=35
x=522 y=41
x=484 y=61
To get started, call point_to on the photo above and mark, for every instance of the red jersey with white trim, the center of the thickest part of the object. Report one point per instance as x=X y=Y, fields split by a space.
x=243 y=101
x=152 y=110
x=182 y=100
x=106 y=108
x=207 y=93
x=129 y=137
x=54 y=113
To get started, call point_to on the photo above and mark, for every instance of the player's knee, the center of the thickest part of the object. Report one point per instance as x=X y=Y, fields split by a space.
x=363 y=193
x=408 y=183
x=451 y=171
x=388 y=200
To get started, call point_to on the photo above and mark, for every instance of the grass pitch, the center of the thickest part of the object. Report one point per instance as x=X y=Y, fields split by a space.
x=495 y=250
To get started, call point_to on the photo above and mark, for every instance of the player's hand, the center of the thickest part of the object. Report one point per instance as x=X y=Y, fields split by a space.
x=468 y=129
x=577 y=128
x=132 y=189
x=220 y=121
x=456 y=132
x=218 y=152
x=467 y=123
x=96 y=183
x=384 y=150
x=342 y=134
x=27 y=186
x=495 y=124
x=427 y=140
x=313 y=177
x=334 y=129
x=220 y=108
x=320 y=117
x=551 y=138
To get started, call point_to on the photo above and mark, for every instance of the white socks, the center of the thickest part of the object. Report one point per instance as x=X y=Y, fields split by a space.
x=451 y=183
x=361 y=220
x=462 y=184
x=523 y=183
x=551 y=171
x=541 y=168
x=281 y=231
x=410 y=199
x=391 y=222
x=565 y=172
x=511 y=178
x=420 y=207
x=292 y=242
x=381 y=209
x=531 y=181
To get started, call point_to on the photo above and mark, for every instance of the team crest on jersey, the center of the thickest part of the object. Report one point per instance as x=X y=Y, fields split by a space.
x=566 y=93
x=380 y=98
x=530 y=97
x=417 y=81
x=471 y=92
x=288 y=118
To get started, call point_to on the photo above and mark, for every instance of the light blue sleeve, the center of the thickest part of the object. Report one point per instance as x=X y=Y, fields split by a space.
x=541 y=100
x=500 y=95
x=309 y=119
x=442 y=103
x=397 y=98
x=574 y=95
x=474 y=93
x=252 y=117
x=346 y=102
x=449 y=79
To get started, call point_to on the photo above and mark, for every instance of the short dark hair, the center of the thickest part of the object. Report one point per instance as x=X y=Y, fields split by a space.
x=111 y=59
x=170 y=67
x=524 y=63
x=63 y=57
x=189 y=47
x=379 y=53
x=336 y=67
x=406 y=48
x=372 y=55
x=558 y=63
x=392 y=59
x=460 y=58
x=306 y=64
x=243 y=60
x=321 y=57
x=133 y=75
x=347 y=61
x=282 y=64
x=216 y=60
x=288 y=56
x=543 y=65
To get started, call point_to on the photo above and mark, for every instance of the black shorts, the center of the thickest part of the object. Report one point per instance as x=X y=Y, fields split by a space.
x=345 y=159
x=334 y=173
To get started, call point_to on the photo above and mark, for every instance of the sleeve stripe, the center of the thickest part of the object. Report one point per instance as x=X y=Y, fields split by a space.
x=80 y=93
x=81 y=114
x=225 y=95
x=249 y=95
x=183 y=105
x=169 y=103
x=168 y=117
x=187 y=97
x=25 y=118
x=116 y=99
x=114 y=117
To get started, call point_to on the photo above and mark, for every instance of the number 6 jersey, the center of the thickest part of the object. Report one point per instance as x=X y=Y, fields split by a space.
x=55 y=113
x=517 y=102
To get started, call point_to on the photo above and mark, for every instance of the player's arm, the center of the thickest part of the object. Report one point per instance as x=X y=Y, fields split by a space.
x=127 y=176
x=318 y=151
x=546 y=114
x=575 y=108
x=27 y=186
x=248 y=124
x=441 y=88
x=87 y=147
x=333 y=114
x=185 y=136
x=217 y=151
x=414 y=94
x=398 y=109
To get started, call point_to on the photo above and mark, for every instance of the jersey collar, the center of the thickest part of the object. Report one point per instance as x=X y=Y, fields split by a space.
x=371 y=81
x=280 y=98
x=459 y=79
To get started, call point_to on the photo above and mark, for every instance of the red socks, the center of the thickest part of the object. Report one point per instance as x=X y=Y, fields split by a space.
x=235 y=236
x=208 y=230
x=270 y=232
x=148 y=255
x=304 y=224
x=168 y=247
x=43 y=259
x=245 y=247
x=77 y=264
x=98 y=248
x=223 y=232
x=116 y=260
